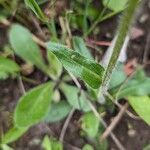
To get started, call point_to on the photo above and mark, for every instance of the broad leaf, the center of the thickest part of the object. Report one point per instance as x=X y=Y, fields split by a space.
x=33 y=106
x=75 y=98
x=115 y=5
x=51 y=144
x=141 y=104
x=138 y=85
x=7 y=67
x=58 y=112
x=33 y=5
x=13 y=134
x=88 y=70
x=80 y=47
x=90 y=124
x=135 y=88
x=23 y=45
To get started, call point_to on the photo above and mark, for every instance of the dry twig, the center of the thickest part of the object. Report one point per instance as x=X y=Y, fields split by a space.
x=114 y=122
x=65 y=126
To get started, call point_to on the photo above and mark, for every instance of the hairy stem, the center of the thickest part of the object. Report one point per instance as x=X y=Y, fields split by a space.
x=125 y=23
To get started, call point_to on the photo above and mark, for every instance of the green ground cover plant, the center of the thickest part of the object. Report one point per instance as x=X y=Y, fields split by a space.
x=74 y=72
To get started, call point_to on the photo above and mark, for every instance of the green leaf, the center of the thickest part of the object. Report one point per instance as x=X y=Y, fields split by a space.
x=57 y=112
x=87 y=147
x=147 y=147
x=6 y=147
x=75 y=98
x=46 y=144
x=88 y=70
x=42 y=1
x=138 y=85
x=80 y=47
x=33 y=106
x=115 y=5
x=135 y=87
x=13 y=134
x=141 y=105
x=55 y=67
x=51 y=144
x=118 y=76
x=33 y=5
x=90 y=124
x=24 y=46
x=7 y=67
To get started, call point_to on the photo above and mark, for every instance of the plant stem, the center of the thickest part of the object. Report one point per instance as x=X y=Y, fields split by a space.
x=122 y=33
x=98 y=20
x=51 y=24
x=85 y=23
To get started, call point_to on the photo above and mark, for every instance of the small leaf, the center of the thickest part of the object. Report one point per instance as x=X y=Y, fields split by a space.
x=115 y=5
x=33 y=106
x=23 y=45
x=75 y=98
x=88 y=70
x=80 y=47
x=141 y=105
x=33 y=5
x=55 y=66
x=51 y=144
x=147 y=147
x=87 y=147
x=6 y=147
x=90 y=124
x=118 y=76
x=13 y=134
x=46 y=144
x=58 y=112
x=7 y=67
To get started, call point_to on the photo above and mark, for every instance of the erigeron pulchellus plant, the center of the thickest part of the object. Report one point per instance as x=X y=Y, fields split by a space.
x=37 y=105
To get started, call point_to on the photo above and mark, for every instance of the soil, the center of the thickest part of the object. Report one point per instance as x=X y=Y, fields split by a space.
x=133 y=134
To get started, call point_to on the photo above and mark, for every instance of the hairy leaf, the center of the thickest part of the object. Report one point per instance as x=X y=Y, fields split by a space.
x=24 y=46
x=88 y=70
x=6 y=147
x=135 y=88
x=141 y=104
x=51 y=144
x=75 y=98
x=58 y=112
x=118 y=76
x=7 y=67
x=33 y=106
x=90 y=124
x=87 y=147
x=80 y=47
x=13 y=134
x=115 y=5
